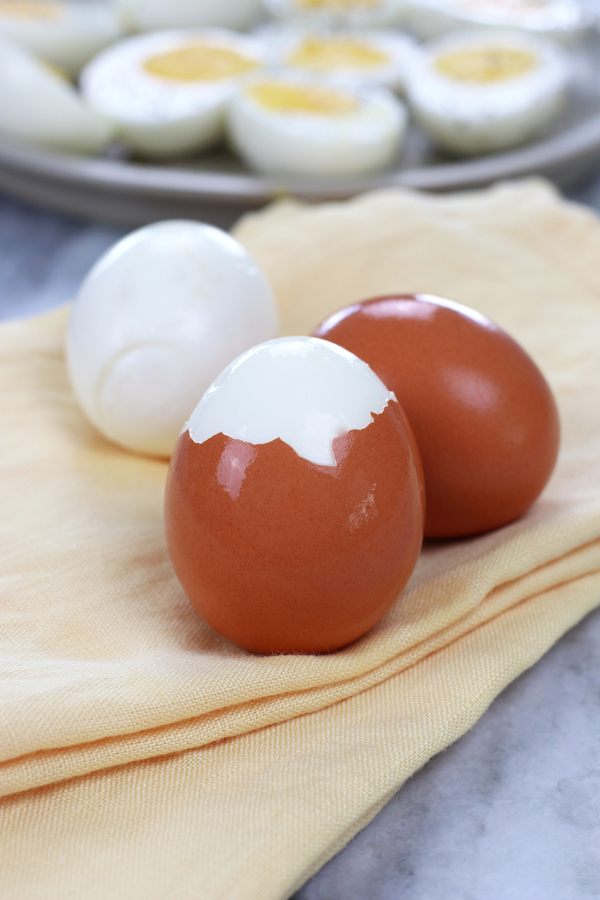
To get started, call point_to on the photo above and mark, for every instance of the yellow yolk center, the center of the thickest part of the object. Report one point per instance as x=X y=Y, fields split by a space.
x=485 y=64
x=291 y=98
x=315 y=53
x=31 y=9
x=199 y=62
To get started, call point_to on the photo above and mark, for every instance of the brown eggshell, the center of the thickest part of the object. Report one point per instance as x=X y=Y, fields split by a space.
x=484 y=418
x=284 y=556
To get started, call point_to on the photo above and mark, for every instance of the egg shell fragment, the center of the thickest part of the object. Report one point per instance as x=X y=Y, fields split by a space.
x=156 y=319
x=483 y=415
x=279 y=553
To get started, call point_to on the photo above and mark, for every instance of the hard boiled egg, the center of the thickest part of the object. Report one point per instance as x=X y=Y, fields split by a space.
x=565 y=21
x=37 y=104
x=63 y=32
x=484 y=91
x=293 y=505
x=371 y=57
x=484 y=418
x=339 y=13
x=294 y=125
x=166 y=92
x=155 y=15
x=156 y=319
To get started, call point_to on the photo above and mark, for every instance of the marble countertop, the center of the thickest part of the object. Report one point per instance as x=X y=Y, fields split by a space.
x=511 y=811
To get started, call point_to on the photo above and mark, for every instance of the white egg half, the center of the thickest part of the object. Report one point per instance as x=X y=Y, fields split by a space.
x=166 y=91
x=339 y=13
x=40 y=106
x=563 y=20
x=368 y=57
x=287 y=124
x=65 y=34
x=156 y=320
x=482 y=92
x=321 y=392
x=156 y=15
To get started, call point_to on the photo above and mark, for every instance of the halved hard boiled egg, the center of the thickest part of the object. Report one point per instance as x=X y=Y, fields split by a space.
x=166 y=92
x=339 y=13
x=63 y=32
x=366 y=57
x=479 y=92
x=293 y=505
x=295 y=125
x=565 y=21
x=40 y=106
x=156 y=15
x=156 y=319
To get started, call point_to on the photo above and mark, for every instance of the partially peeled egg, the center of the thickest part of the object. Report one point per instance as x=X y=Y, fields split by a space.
x=294 y=501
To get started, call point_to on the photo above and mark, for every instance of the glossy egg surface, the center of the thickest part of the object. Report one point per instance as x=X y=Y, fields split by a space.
x=484 y=418
x=295 y=531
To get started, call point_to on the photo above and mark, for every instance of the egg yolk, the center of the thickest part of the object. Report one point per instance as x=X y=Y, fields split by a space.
x=198 y=62
x=485 y=65
x=30 y=9
x=315 y=53
x=292 y=98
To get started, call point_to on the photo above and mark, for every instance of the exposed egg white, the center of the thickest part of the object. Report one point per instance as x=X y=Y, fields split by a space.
x=366 y=57
x=154 y=15
x=40 y=106
x=64 y=33
x=303 y=390
x=166 y=92
x=155 y=321
x=339 y=13
x=479 y=92
x=563 y=20
x=293 y=125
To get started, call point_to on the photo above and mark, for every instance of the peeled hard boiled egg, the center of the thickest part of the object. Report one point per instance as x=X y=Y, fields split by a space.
x=287 y=124
x=166 y=92
x=372 y=57
x=156 y=319
x=481 y=92
x=484 y=418
x=64 y=33
x=155 y=15
x=293 y=506
x=565 y=21
x=40 y=106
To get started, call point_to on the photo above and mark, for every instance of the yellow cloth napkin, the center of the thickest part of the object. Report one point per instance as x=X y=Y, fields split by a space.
x=141 y=755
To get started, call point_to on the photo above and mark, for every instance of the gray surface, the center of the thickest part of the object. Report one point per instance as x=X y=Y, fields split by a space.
x=509 y=812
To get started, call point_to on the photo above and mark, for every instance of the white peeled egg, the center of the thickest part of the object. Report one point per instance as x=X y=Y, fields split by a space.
x=366 y=57
x=155 y=15
x=63 y=32
x=166 y=92
x=479 y=92
x=293 y=125
x=565 y=21
x=39 y=106
x=357 y=14
x=155 y=321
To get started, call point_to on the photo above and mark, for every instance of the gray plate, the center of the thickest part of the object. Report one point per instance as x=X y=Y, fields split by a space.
x=217 y=188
